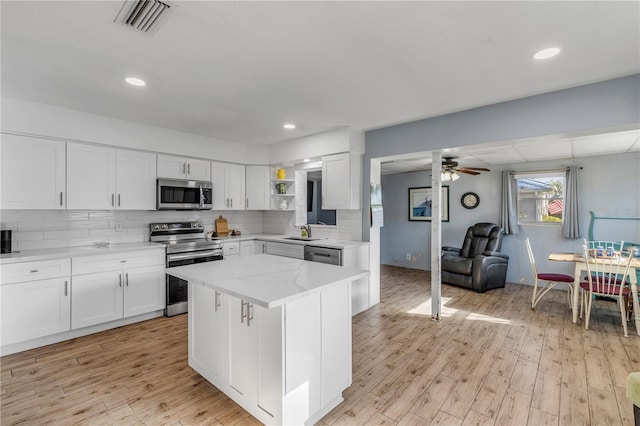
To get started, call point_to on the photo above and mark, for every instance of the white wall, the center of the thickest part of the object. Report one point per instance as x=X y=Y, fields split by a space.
x=38 y=119
x=605 y=193
x=340 y=140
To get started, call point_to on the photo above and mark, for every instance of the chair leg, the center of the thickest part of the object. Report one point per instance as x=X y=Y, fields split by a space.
x=533 y=297
x=623 y=315
x=588 y=313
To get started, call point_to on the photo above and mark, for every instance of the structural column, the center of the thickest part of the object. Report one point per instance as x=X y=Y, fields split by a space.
x=436 y=235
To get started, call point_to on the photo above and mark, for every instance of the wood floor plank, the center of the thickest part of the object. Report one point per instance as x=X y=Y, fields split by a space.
x=490 y=360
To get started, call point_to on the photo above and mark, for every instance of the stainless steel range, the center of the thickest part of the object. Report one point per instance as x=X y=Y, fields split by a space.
x=186 y=245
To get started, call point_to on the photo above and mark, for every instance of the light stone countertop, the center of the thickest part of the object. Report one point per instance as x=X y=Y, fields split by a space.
x=266 y=280
x=67 y=252
x=322 y=242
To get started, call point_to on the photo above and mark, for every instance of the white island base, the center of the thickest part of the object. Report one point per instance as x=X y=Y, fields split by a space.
x=272 y=333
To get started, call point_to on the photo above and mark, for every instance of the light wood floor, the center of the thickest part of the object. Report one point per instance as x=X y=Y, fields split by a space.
x=491 y=360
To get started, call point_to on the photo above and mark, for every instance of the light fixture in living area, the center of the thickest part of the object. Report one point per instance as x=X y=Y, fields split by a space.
x=546 y=53
x=289 y=126
x=448 y=175
x=135 y=81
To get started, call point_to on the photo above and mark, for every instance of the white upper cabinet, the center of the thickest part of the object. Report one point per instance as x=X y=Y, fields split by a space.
x=341 y=181
x=228 y=186
x=33 y=173
x=257 y=187
x=174 y=167
x=105 y=178
x=136 y=180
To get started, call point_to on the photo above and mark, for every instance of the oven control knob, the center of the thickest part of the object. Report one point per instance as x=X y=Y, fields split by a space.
x=199 y=224
x=156 y=226
x=164 y=226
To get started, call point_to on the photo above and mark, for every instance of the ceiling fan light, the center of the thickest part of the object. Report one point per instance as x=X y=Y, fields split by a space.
x=445 y=176
x=455 y=176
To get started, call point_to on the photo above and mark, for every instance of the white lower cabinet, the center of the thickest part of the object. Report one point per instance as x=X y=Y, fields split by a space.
x=231 y=249
x=285 y=365
x=247 y=248
x=35 y=309
x=206 y=324
x=110 y=287
x=35 y=300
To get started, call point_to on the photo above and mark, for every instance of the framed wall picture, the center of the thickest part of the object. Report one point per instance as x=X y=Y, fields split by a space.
x=420 y=203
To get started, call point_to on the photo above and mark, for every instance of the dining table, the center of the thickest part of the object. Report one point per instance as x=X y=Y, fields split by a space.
x=581 y=266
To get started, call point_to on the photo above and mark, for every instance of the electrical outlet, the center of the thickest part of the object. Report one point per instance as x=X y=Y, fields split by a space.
x=119 y=227
x=408 y=256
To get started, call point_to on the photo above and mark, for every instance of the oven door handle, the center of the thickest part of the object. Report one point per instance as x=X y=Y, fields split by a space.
x=173 y=257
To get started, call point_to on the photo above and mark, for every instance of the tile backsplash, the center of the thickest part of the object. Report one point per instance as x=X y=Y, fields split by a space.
x=38 y=229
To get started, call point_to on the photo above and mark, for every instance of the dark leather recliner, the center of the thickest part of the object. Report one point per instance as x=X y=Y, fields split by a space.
x=478 y=265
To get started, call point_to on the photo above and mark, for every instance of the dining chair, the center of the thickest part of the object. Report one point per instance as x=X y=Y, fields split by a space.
x=606 y=277
x=604 y=247
x=551 y=278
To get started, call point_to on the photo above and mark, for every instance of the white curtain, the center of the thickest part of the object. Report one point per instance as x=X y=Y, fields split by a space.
x=508 y=205
x=571 y=226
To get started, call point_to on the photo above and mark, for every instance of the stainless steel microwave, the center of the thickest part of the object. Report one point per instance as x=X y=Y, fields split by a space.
x=178 y=194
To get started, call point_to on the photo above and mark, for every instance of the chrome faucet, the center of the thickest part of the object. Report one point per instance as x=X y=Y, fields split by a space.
x=308 y=229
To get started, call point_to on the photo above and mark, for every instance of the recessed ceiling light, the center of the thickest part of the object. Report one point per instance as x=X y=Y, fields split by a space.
x=135 y=81
x=306 y=160
x=547 y=53
x=289 y=126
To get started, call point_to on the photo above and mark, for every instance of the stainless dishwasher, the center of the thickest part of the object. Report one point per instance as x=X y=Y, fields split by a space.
x=332 y=256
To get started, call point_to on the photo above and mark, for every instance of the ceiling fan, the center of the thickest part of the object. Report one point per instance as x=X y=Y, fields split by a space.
x=450 y=167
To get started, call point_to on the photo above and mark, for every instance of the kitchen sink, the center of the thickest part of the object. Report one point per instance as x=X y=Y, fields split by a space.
x=301 y=238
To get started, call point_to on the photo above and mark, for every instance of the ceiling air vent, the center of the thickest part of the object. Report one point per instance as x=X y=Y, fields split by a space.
x=143 y=15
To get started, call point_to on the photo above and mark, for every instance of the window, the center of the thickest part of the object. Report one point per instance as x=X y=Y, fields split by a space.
x=541 y=197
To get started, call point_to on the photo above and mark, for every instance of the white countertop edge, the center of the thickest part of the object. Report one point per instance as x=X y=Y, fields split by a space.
x=245 y=278
x=69 y=252
x=322 y=242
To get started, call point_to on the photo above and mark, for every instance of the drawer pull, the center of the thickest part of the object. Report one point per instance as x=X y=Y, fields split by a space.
x=243 y=315
x=249 y=313
x=33 y=271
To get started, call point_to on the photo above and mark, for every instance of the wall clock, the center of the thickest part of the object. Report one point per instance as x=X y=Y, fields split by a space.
x=470 y=200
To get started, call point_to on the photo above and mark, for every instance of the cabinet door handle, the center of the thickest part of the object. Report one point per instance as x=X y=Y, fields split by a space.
x=231 y=202
x=61 y=200
x=249 y=313
x=119 y=280
x=126 y=279
x=66 y=283
x=113 y=199
x=184 y=167
x=246 y=204
x=118 y=200
x=243 y=315
x=216 y=301
x=188 y=168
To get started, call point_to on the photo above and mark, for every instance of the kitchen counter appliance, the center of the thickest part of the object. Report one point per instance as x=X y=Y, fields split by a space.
x=332 y=256
x=186 y=245
x=177 y=194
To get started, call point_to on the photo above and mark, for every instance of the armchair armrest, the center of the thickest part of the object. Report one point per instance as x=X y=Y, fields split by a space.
x=453 y=249
x=496 y=254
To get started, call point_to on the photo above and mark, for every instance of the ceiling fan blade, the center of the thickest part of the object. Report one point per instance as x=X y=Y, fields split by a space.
x=482 y=169
x=469 y=172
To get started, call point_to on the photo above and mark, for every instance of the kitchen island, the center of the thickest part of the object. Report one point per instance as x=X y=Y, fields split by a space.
x=272 y=333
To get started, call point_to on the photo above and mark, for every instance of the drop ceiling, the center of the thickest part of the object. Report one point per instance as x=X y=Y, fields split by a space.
x=522 y=151
x=238 y=71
